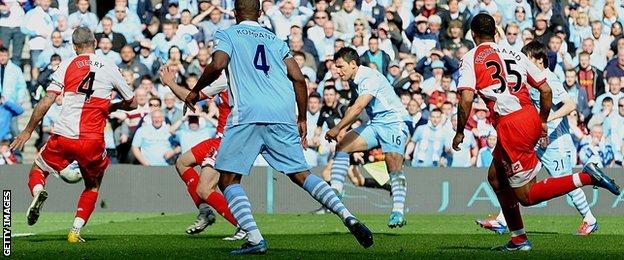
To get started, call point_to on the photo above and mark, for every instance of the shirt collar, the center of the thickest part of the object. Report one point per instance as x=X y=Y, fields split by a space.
x=250 y=23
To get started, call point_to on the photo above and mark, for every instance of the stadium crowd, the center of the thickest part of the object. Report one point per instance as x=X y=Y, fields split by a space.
x=417 y=44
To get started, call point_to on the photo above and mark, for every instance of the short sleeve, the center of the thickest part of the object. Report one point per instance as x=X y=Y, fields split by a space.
x=137 y=140
x=223 y=42
x=535 y=76
x=216 y=87
x=467 y=79
x=119 y=83
x=285 y=50
x=57 y=83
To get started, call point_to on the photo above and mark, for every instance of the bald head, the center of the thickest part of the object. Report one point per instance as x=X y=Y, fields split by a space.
x=83 y=40
x=247 y=10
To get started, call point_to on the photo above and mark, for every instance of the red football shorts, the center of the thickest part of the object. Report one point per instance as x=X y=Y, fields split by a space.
x=518 y=133
x=205 y=153
x=60 y=151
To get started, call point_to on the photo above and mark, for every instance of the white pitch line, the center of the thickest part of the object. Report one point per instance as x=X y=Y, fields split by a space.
x=22 y=234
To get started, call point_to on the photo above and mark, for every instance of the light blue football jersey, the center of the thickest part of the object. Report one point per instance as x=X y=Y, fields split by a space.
x=558 y=127
x=386 y=107
x=260 y=91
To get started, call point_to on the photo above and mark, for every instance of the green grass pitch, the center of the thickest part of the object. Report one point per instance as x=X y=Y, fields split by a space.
x=306 y=236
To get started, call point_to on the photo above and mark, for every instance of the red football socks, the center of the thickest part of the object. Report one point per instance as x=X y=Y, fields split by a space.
x=511 y=210
x=86 y=204
x=191 y=179
x=36 y=177
x=556 y=186
x=217 y=201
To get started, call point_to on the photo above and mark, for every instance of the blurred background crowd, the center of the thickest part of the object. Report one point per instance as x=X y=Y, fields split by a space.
x=418 y=45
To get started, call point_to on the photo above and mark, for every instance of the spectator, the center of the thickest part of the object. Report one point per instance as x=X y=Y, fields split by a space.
x=308 y=45
x=313 y=115
x=39 y=28
x=151 y=145
x=55 y=46
x=372 y=10
x=186 y=27
x=613 y=126
x=128 y=25
x=602 y=40
x=454 y=37
x=300 y=57
x=7 y=157
x=171 y=111
x=105 y=49
x=454 y=14
x=324 y=47
x=434 y=82
x=605 y=111
x=162 y=43
x=8 y=111
x=118 y=40
x=193 y=129
x=615 y=68
x=345 y=18
x=12 y=83
x=198 y=65
x=595 y=148
x=542 y=31
x=284 y=15
x=435 y=25
x=385 y=43
x=615 y=93
x=123 y=5
x=315 y=33
x=511 y=37
x=422 y=40
x=523 y=17
x=376 y=56
x=415 y=112
x=82 y=17
x=579 y=29
x=394 y=72
x=144 y=10
x=131 y=63
x=331 y=112
x=213 y=24
x=11 y=17
x=467 y=156
x=427 y=144
x=484 y=156
x=577 y=93
x=589 y=78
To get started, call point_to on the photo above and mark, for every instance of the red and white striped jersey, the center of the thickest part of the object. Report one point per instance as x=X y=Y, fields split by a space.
x=219 y=87
x=499 y=75
x=86 y=82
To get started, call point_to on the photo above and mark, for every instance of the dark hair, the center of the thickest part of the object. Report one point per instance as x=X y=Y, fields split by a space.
x=348 y=54
x=330 y=88
x=192 y=75
x=483 y=25
x=373 y=38
x=247 y=7
x=53 y=57
x=447 y=103
x=607 y=99
x=436 y=110
x=3 y=49
x=185 y=11
x=315 y=95
x=536 y=50
x=145 y=77
x=157 y=99
x=326 y=12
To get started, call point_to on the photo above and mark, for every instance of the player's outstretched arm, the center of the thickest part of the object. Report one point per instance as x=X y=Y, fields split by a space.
x=219 y=62
x=126 y=105
x=40 y=110
x=167 y=78
x=463 y=112
x=301 y=96
x=352 y=113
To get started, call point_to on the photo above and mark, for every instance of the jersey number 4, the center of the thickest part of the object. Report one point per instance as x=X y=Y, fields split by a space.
x=497 y=75
x=260 y=61
x=86 y=85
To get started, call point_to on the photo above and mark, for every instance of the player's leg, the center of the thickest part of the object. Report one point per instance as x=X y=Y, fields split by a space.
x=284 y=153
x=509 y=207
x=353 y=141
x=51 y=159
x=206 y=189
x=393 y=138
x=92 y=174
x=185 y=166
x=534 y=192
x=241 y=144
x=558 y=162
